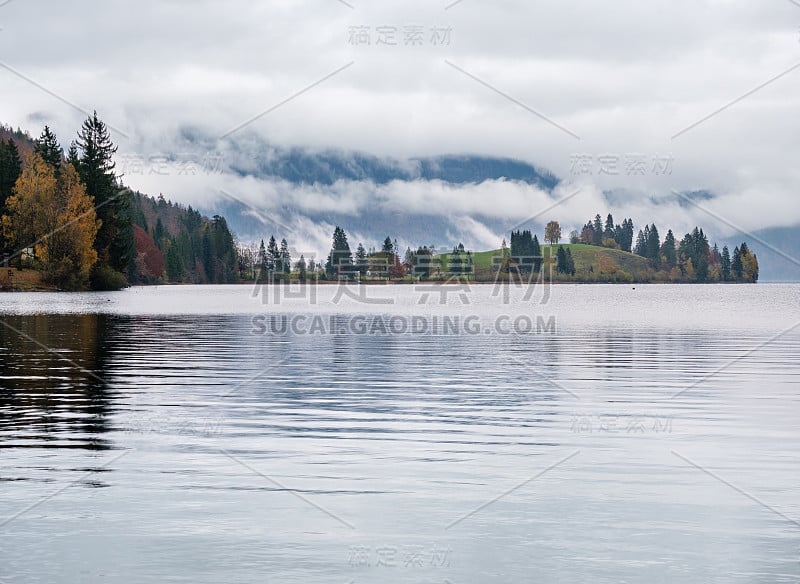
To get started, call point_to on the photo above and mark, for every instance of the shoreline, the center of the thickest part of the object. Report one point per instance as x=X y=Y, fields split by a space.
x=42 y=288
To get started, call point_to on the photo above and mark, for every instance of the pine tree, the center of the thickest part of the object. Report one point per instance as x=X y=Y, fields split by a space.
x=641 y=244
x=114 y=242
x=725 y=262
x=423 y=262
x=174 y=263
x=49 y=150
x=286 y=257
x=207 y=257
x=597 y=227
x=736 y=265
x=570 y=263
x=159 y=234
x=624 y=235
x=455 y=265
x=10 y=171
x=561 y=260
x=609 y=232
x=219 y=254
x=340 y=259
x=10 y=168
x=301 y=268
x=273 y=255
x=700 y=252
x=73 y=156
x=668 y=250
x=362 y=265
x=653 y=249
x=536 y=254
x=261 y=261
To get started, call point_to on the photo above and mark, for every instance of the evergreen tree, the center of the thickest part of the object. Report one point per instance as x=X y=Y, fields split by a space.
x=526 y=253
x=597 y=227
x=561 y=261
x=207 y=256
x=736 y=265
x=261 y=260
x=285 y=258
x=469 y=266
x=725 y=264
x=159 y=233
x=456 y=261
x=619 y=235
x=641 y=244
x=73 y=156
x=174 y=264
x=273 y=255
x=536 y=254
x=653 y=250
x=301 y=268
x=219 y=252
x=700 y=254
x=609 y=232
x=48 y=148
x=114 y=242
x=340 y=258
x=423 y=262
x=388 y=246
x=625 y=235
x=668 y=250
x=10 y=171
x=362 y=264
x=570 y=263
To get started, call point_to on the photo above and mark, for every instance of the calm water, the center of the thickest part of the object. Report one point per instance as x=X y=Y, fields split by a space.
x=617 y=435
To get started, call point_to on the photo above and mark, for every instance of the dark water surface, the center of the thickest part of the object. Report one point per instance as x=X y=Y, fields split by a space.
x=163 y=435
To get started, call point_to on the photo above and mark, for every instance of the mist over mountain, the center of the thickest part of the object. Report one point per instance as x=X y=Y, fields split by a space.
x=302 y=194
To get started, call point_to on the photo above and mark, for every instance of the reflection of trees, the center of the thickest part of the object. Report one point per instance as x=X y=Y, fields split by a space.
x=57 y=398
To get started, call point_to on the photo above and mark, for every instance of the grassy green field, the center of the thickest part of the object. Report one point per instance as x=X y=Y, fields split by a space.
x=592 y=263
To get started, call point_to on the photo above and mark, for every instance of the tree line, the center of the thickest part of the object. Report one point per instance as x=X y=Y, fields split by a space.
x=272 y=261
x=193 y=249
x=69 y=216
x=692 y=259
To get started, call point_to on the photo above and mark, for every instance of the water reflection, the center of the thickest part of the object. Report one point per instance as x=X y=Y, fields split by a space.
x=400 y=435
x=54 y=370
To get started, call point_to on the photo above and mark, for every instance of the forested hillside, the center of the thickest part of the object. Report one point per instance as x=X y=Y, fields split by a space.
x=176 y=244
x=70 y=219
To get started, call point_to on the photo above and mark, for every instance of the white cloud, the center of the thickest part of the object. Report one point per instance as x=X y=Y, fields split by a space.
x=623 y=76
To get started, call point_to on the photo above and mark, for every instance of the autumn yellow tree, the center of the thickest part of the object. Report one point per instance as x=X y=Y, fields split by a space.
x=57 y=218
x=749 y=266
x=552 y=233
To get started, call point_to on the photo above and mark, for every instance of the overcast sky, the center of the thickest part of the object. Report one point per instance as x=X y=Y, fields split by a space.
x=568 y=86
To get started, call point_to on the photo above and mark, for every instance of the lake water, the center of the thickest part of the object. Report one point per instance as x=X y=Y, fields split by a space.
x=401 y=434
